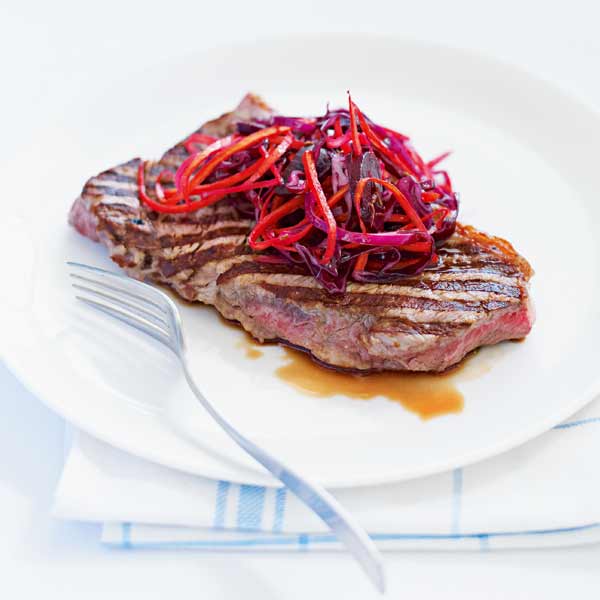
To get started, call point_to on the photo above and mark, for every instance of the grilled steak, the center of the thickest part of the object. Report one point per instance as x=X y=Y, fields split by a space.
x=477 y=294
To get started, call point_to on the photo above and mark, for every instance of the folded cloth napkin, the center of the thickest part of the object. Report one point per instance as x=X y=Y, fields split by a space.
x=544 y=493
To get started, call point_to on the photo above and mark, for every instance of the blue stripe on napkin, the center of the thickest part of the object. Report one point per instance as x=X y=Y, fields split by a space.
x=126 y=534
x=303 y=540
x=250 y=506
x=221 y=503
x=280 y=497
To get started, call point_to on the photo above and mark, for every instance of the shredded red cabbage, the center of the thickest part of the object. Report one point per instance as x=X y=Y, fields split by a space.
x=346 y=197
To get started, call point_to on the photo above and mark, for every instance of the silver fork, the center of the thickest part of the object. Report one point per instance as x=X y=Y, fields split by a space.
x=152 y=312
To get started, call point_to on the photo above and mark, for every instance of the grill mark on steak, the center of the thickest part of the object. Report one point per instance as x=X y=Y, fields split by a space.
x=406 y=326
x=380 y=303
x=257 y=266
x=170 y=241
x=454 y=289
x=195 y=260
x=115 y=176
x=115 y=191
x=471 y=285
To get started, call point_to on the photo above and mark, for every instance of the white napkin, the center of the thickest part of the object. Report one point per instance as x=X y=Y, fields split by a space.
x=544 y=493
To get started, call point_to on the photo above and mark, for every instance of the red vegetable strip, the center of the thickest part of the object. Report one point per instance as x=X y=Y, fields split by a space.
x=190 y=163
x=160 y=194
x=274 y=169
x=361 y=263
x=253 y=172
x=231 y=179
x=272 y=218
x=291 y=239
x=312 y=180
x=283 y=239
x=250 y=140
x=338 y=196
x=443 y=211
x=438 y=159
x=268 y=162
x=201 y=138
x=430 y=196
x=358 y=192
x=356 y=147
x=400 y=197
x=391 y=156
x=197 y=138
x=142 y=189
x=166 y=174
x=207 y=201
x=265 y=205
x=337 y=127
x=397 y=219
x=213 y=195
x=337 y=142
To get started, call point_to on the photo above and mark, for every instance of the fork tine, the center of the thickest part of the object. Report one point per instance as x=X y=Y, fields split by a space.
x=120 y=287
x=118 y=282
x=141 y=312
x=129 y=319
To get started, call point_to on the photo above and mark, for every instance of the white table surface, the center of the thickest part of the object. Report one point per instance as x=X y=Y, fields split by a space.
x=47 y=45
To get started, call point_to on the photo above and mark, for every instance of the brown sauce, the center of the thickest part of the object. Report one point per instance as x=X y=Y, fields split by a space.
x=428 y=395
x=250 y=347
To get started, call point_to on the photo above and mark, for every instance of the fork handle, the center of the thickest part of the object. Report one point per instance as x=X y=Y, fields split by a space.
x=356 y=540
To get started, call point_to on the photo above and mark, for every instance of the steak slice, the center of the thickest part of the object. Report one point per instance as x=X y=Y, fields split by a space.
x=477 y=294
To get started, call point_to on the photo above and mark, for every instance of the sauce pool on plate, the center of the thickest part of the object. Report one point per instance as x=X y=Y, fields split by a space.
x=428 y=395
x=250 y=347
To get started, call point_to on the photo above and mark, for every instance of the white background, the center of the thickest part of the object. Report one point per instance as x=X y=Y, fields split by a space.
x=58 y=44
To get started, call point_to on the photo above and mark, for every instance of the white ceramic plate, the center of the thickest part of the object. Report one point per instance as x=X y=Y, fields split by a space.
x=524 y=161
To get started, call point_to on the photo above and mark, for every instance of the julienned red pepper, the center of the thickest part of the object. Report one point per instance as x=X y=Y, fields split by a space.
x=379 y=145
x=338 y=142
x=278 y=237
x=312 y=180
x=272 y=218
x=208 y=197
x=247 y=142
x=190 y=163
x=400 y=197
x=438 y=159
x=197 y=138
x=251 y=173
x=356 y=147
x=337 y=127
